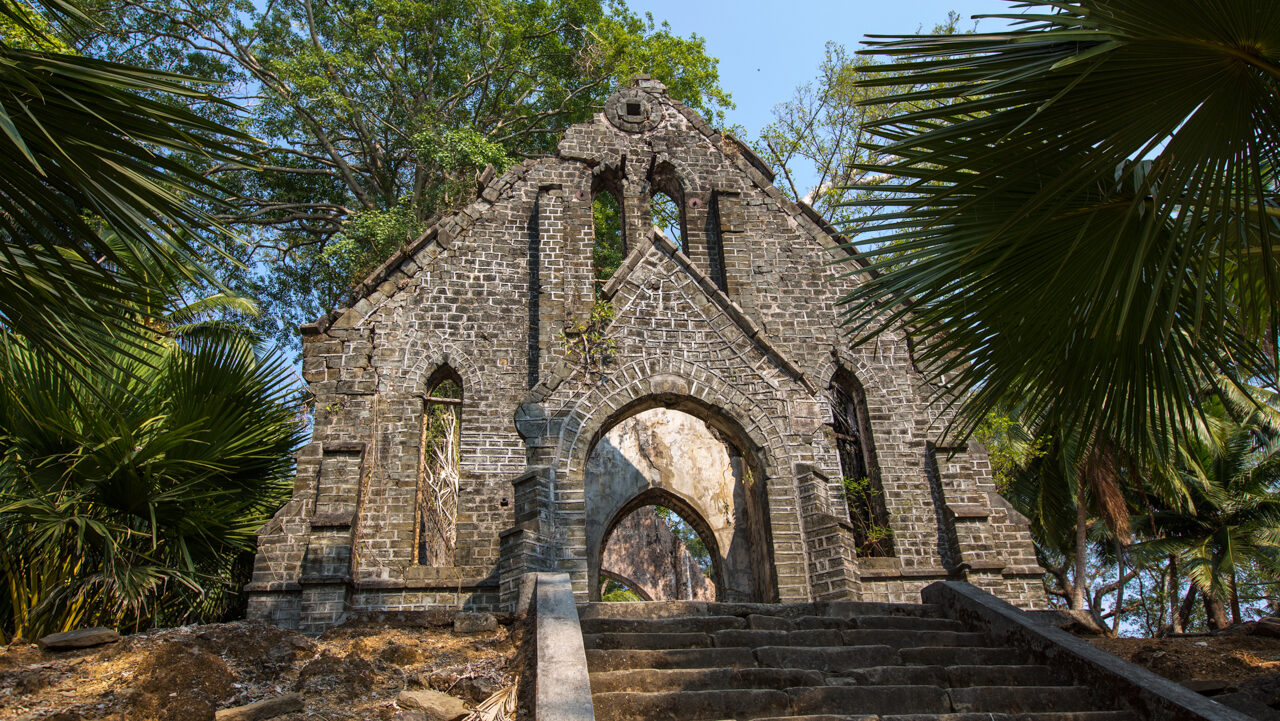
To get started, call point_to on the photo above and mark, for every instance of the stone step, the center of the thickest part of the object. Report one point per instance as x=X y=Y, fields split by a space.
x=909 y=623
x=892 y=676
x=683 y=624
x=599 y=660
x=1022 y=699
x=650 y=610
x=1029 y=675
x=644 y=610
x=1041 y=716
x=954 y=676
x=651 y=640
x=902 y=638
x=1048 y=716
x=756 y=638
x=763 y=622
x=831 y=659
x=963 y=656
x=853 y=609
x=898 y=638
x=870 y=699
x=690 y=705
x=702 y=679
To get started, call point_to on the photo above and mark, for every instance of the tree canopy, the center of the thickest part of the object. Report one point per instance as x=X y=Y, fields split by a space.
x=377 y=116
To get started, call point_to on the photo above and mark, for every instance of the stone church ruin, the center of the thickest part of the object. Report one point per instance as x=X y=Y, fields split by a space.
x=464 y=397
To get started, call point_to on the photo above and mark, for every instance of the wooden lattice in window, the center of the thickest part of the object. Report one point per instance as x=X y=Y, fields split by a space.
x=438 y=474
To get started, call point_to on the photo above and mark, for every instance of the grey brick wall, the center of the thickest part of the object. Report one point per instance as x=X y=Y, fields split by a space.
x=741 y=329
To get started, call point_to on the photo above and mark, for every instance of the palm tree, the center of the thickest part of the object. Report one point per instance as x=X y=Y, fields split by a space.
x=138 y=503
x=1083 y=211
x=1231 y=517
x=90 y=146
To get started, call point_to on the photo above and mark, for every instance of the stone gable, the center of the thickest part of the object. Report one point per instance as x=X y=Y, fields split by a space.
x=740 y=328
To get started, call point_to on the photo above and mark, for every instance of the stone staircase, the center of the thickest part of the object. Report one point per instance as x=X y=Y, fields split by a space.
x=815 y=662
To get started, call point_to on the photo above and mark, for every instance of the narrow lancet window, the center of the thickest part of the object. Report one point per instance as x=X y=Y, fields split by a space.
x=438 y=470
x=608 y=251
x=665 y=214
x=860 y=475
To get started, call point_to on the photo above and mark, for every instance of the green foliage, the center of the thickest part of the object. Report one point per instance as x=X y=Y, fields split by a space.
x=681 y=529
x=370 y=107
x=89 y=149
x=821 y=136
x=615 y=592
x=23 y=27
x=861 y=494
x=1009 y=447
x=588 y=339
x=1231 y=517
x=1046 y=268
x=665 y=215
x=368 y=237
x=607 y=252
x=137 y=503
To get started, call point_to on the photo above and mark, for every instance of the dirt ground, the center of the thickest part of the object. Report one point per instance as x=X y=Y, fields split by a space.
x=185 y=674
x=1234 y=658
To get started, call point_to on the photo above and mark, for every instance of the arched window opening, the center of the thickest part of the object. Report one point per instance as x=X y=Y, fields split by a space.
x=436 y=531
x=608 y=250
x=666 y=215
x=860 y=474
x=660 y=556
x=620 y=590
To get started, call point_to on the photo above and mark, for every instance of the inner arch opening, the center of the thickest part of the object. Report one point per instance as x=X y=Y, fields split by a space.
x=675 y=509
x=658 y=555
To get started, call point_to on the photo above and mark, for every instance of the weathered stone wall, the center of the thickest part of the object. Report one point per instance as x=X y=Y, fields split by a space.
x=673 y=459
x=643 y=554
x=741 y=330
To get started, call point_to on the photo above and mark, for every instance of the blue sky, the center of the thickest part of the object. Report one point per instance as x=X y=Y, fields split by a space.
x=767 y=48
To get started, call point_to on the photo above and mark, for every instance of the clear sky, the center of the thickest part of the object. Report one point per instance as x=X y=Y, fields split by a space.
x=768 y=47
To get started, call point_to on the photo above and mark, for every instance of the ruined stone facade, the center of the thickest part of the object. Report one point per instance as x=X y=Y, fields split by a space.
x=739 y=327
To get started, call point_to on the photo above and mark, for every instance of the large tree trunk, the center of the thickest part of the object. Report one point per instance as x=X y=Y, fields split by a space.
x=1115 y=622
x=1177 y=620
x=1235 y=598
x=1182 y=617
x=1216 y=610
x=1082 y=548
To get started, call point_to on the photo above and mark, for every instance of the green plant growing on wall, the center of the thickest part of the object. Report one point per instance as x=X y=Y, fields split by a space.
x=587 y=339
x=868 y=534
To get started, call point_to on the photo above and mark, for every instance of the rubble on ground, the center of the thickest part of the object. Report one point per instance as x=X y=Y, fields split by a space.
x=244 y=671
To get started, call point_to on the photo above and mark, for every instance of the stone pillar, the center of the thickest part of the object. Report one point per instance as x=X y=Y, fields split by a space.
x=732 y=220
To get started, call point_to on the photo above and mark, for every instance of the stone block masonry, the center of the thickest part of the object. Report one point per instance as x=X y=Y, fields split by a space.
x=739 y=326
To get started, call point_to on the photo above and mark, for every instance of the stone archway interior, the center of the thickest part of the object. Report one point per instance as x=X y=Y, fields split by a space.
x=659 y=556
x=667 y=458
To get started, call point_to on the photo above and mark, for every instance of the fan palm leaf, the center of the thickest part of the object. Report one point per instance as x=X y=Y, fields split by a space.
x=155 y=486
x=90 y=146
x=1081 y=215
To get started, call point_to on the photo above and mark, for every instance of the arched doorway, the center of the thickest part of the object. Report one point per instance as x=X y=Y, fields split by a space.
x=696 y=462
x=661 y=553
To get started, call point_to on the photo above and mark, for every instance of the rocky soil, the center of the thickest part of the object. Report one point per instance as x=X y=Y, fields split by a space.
x=1240 y=669
x=355 y=671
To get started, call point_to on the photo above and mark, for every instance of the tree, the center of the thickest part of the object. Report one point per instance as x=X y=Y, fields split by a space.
x=88 y=147
x=137 y=504
x=1230 y=521
x=819 y=137
x=379 y=115
x=1085 y=208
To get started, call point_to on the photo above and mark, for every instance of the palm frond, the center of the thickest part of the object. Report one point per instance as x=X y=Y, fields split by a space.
x=1033 y=259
